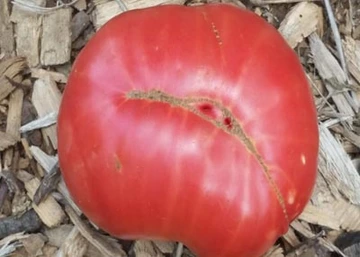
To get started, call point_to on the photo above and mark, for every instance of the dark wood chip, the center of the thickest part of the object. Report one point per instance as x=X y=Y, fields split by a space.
x=28 y=222
x=48 y=184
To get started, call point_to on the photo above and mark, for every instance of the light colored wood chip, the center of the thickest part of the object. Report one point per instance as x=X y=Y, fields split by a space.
x=49 y=250
x=43 y=74
x=332 y=74
x=46 y=99
x=23 y=163
x=7 y=41
x=322 y=192
x=56 y=236
x=28 y=31
x=11 y=68
x=80 y=5
x=6 y=140
x=145 y=248
x=105 y=10
x=20 y=203
x=12 y=238
x=165 y=247
x=46 y=161
x=265 y=2
x=275 y=251
x=43 y=122
x=320 y=216
x=302 y=20
x=14 y=114
x=75 y=245
x=109 y=249
x=25 y=144
x=291 y=237
x=34 y=244
x=56 y=37
x=347 y=214
x=92 y=251
x=352 y=54
x=49 y=211
x=337 y=168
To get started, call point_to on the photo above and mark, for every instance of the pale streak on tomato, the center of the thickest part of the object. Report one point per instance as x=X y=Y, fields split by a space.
x=174 y=187
x=183 y=58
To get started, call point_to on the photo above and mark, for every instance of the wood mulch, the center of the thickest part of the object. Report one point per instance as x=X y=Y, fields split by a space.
x=39 y=40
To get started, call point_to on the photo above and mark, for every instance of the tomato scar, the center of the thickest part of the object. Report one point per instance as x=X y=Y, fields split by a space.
x=230 y=125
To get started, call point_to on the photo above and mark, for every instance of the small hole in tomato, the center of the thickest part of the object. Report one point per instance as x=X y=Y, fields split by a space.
x=227 y=122
x=207 y=109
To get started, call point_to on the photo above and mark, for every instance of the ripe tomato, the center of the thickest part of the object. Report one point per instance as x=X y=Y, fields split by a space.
x=193 y=124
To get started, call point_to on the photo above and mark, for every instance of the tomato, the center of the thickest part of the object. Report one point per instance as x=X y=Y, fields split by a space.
x=195 y=124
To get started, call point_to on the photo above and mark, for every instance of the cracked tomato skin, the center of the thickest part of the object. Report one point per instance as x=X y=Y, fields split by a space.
x=193 y=124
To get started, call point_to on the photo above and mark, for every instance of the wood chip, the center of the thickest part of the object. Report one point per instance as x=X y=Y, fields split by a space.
x=320 y=216
x=145 y=248
x=266 y=2
x=46 y=99
x=6 y=140
x=28 y=31
x=352 y=54
x=80 y=5
x=105 y=247
x=43 y=74
x=48 y=162
x=337 y=168
x=275 y=251
x=304 y=229
x=347 y=214
x=49 y=211
x=166 y=247
x=332 y=74
x=7 y=41
x=303 y=19
x=56 y=236
x=105 y=10
x=49 y=250
x=34 y=244
x=11 y=68
x=14 y=114
x=27 y=222
x=48 y=184
x=56 y=37
x=291 y=237
x=13 y=121
x=353 y=250
x=43 y=122
x=79 y=23
x=75 y=245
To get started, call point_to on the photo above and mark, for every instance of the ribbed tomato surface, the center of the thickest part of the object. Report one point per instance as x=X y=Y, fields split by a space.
x=193 y=124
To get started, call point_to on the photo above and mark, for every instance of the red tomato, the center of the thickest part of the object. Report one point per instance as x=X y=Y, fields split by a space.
x=193 y=124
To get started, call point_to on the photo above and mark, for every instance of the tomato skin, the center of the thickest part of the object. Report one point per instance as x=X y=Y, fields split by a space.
x=155 y=168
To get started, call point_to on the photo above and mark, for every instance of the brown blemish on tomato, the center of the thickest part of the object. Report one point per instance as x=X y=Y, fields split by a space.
x=117 y=163
x=228 y=123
